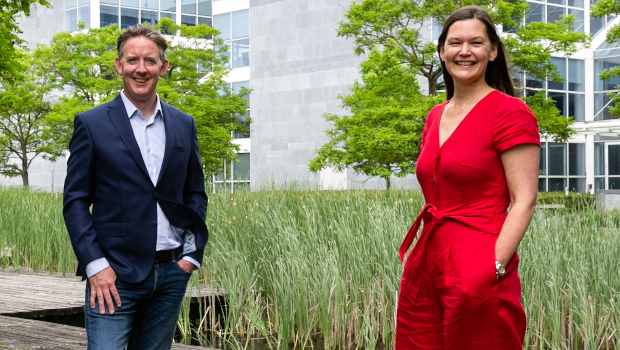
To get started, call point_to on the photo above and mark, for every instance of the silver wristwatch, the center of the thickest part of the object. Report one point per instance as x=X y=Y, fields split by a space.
x=500 y=269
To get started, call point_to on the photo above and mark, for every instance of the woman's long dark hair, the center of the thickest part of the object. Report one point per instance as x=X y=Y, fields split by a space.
x=497 y=74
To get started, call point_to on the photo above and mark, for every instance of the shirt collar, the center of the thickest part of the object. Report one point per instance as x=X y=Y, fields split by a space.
x=131 y=108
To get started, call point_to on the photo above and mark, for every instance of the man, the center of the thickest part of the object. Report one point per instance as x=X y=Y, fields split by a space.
x=135 y=160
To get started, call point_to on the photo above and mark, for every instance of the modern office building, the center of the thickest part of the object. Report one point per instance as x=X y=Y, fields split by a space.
x=288 y=53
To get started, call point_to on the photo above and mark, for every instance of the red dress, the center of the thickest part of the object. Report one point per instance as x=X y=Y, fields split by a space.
x=449 y=295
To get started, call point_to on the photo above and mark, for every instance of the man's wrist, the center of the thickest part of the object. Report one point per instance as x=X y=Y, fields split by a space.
x=192 y=261
x=96 y=266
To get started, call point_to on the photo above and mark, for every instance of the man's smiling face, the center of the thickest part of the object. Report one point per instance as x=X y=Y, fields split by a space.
x=140 y=68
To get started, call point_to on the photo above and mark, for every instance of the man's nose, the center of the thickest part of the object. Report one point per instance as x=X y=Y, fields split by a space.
x=141 y=67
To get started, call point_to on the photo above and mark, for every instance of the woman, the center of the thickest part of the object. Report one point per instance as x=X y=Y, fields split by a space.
x=460 y=287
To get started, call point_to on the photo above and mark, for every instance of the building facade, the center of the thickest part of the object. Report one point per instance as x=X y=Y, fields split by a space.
x=287 y=52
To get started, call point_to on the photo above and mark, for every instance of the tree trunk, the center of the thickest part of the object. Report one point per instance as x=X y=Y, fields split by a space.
x=387 y=183
x=432 y=86
x=25 y=182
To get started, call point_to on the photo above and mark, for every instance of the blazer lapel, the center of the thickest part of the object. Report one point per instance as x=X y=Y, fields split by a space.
x=120 y=119
x=169 y=125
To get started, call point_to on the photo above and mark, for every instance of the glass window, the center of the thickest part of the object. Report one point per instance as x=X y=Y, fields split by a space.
x=576 y=75
x=542 y=185
x=559 y=2
x=542 y=168
x=601 y=64
x=167 y=15
x=557 y=159
x=241 y=169
x=240 y=24
x=599 y=158
x=84 y=15
x=577 y=107
x=613 y=160
x=601 y=109
x=614 y=183
x=557 y=184
x=437 y=27
x=222 y=23
x=554 y=13
x=110 y=2
x=579 y=21
x=241 y=53
x=599 y=183
x=560 y=101
x=531 y=82
x=129 y=17
x=83 y=2
x=129 y=3
x=205 y=20
x=577 y=185
x=188 y=20
x=169 y=5
x=242 y=84
x=71 y=20
x=188 y=6
x=150 y=4
x=227 y=55
x=69 y=4
x=596 y=24
x=560 y=64
x=576 y=159
x=575 y=3
x=151 y=17
x=108 y=15
x=204 y=7
x=536 y=13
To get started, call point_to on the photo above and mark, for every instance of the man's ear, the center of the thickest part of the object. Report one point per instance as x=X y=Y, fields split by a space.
x=164 y=68
x=117 y=65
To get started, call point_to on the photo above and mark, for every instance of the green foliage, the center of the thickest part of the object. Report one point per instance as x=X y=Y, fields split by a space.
x=382 y=135
x=319 y=269
x=550 y=123
x=9 y=41
x=82 y=64
x=23 y=105
x=609 y=8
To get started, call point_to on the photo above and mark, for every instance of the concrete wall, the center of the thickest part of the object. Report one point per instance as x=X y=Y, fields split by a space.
x=299 y=67
x=43 y=23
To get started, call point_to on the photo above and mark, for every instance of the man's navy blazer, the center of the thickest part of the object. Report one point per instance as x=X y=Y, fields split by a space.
x=106 y=170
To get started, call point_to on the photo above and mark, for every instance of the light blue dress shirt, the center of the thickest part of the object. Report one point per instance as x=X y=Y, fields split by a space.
x=151 y=138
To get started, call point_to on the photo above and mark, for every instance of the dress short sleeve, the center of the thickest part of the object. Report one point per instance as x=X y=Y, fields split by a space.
x=514 y=124
x=429 y=122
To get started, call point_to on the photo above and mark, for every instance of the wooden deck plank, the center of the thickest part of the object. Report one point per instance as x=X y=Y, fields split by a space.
x=27 y=294
x=23 y=334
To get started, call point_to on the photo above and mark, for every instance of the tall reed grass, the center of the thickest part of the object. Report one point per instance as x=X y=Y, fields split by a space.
x=320 y=268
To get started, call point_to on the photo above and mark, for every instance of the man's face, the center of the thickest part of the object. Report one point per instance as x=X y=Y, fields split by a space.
x=140 y=68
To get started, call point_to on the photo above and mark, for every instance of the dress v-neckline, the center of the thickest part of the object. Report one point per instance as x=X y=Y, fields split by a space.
x=461 y=122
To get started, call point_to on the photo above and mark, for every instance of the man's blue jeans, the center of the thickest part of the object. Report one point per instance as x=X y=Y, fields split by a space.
x=148 y=313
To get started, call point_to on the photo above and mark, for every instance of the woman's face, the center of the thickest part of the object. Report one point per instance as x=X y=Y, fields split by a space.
x=467 y=51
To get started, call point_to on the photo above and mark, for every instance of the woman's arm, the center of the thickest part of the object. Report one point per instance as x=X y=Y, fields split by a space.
x=521 y=168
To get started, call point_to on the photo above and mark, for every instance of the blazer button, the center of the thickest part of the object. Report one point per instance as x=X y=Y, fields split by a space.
x=154 y=224
x=155 y=193
x=433 y=180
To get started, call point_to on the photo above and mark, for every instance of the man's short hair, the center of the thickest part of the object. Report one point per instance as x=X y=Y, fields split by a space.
x=145 y=31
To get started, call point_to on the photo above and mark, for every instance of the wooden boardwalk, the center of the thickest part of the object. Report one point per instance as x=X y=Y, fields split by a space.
x=24 y=334
x=29 y=295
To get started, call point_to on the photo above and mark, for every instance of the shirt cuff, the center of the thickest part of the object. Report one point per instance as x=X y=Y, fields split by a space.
x=96 y=266
x=193 y=261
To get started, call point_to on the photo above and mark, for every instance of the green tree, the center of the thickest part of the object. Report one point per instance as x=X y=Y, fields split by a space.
x=9 y=39
x=609 y=8
x=399 y=29
x=23 y=105
x=382 y=135
x=82 y=64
